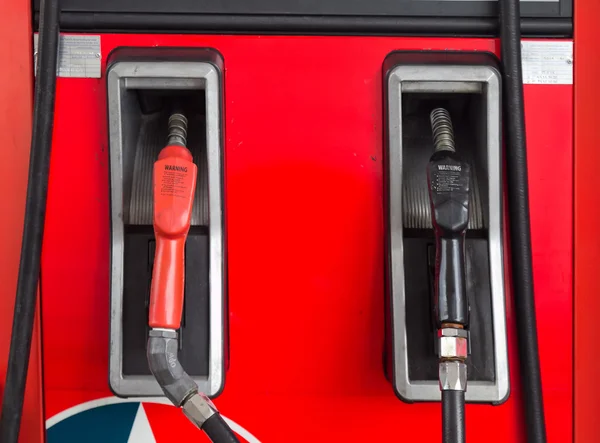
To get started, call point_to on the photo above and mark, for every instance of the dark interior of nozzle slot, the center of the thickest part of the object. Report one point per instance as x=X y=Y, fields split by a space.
x=467 y=111
x=147 y=113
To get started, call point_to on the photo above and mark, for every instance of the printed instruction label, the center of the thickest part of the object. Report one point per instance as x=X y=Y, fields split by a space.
x=174 y=181
x=448 y=178
x=547 y=63
x=79 y=56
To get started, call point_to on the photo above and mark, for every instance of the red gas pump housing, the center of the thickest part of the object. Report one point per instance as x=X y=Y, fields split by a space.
x=303 y=146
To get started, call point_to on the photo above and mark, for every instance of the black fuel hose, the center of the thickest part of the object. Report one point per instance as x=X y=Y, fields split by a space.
x=218 y=431
x=35 y=209
x=518 y=210
x=453 y=417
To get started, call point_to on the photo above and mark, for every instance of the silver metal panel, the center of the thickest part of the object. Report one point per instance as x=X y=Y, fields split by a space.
x=163 y=75
x=446 y=79
x=79 y=56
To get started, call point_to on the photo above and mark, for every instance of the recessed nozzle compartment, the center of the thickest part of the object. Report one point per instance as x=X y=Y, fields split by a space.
x=468 y=87
x=145 y=86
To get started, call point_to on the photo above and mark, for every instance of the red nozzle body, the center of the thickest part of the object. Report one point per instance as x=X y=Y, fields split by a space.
x=174 y=182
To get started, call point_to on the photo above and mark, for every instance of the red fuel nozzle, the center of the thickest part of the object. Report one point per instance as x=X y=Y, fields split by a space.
x=174 y=182
x=174 y=185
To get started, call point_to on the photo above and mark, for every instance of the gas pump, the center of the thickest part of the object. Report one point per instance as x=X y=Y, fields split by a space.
x=445 y=113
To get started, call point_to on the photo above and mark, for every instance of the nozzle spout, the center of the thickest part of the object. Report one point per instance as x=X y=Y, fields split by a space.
x=177 y=129
x=443 y=133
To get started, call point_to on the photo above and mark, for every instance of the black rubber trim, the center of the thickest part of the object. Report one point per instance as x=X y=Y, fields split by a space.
x=381 y=8
x=306 y=25
x=35 y=210
x=218 y=431
x=520 y=229
x=453 y=417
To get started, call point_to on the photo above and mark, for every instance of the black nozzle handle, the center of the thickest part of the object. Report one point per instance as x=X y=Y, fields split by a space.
x=452 y=305
x=449 y=180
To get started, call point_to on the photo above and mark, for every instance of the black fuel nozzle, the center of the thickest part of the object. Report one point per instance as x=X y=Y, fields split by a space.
x=449 y=181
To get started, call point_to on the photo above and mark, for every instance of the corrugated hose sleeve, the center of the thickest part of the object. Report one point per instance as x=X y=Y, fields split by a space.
x=518 y=208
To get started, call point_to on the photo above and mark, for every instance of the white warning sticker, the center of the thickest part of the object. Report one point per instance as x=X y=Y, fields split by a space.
x=78 y=56
x=547 y=63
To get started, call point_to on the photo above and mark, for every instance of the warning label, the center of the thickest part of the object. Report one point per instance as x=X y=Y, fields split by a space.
x=447 y=180
x=173 y=182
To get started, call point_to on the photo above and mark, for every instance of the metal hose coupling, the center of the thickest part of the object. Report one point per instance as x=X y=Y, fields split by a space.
x=198 y=408
x=453 y=351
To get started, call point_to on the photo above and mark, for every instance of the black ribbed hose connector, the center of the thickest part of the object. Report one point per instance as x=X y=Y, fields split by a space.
x=35 y=209
x=518 y=211
x=453 y=417
x=218 y=431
